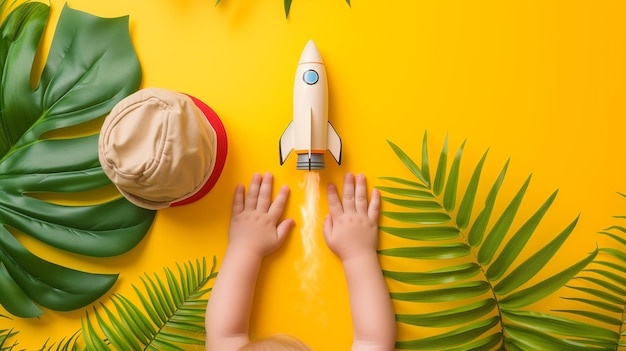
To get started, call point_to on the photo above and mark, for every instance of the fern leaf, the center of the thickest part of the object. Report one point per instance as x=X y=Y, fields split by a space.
x=499 y=230
x=527 y=269
x=137 y=322
x=404 y=182
x=467 y=204
x=91 y=338
x=451 y=293
x=601 y=295
x=454 y=337
x=604 y=284
x=69 y=345
x=617 y=254
x=610 y=276
x=425 y=161
x=148 y=307
x=449 y=197
x=423 y=233
x=287 y=4
x=116 y=341
x=477 y=231
x=121 y=330
x=414 y=193
x=605 y=306
x=442 y=165
x=546 y=287
x=524 y=338
x=439 y=276
x=177 y=295
x=5 y=343
x=172 y=314
x=441 y=252
x=414 y=204
x=410 y=165
x=485 y=343
x=600 y=317
x=515 y=245
x=450 y=317
x=476 y=256
x=616 y=237
x=559 y=325
x=418 y=217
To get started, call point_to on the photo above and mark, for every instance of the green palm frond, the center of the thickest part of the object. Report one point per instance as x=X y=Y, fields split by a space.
x=5 y=343
x=286 y=5
x=485 y=286
x=602 y=291
x=71 y=344
x=171 y=313
x=5 y=335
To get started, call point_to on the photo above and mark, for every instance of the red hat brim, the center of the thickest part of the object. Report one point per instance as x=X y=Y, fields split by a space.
x=220 y=155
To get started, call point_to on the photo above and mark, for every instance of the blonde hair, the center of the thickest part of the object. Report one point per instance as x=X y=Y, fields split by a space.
x=276 y=343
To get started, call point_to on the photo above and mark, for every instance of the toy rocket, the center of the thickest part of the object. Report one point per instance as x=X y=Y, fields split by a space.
x=309 y=133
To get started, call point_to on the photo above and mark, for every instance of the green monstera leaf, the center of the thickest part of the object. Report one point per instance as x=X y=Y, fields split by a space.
x=91 y=66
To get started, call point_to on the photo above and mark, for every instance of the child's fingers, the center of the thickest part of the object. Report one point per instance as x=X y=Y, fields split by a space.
x=265 y=193
x=360 y=197
x=334 y=204
x=348 y=193
x=374 y=208
x=253 y=191
x=238 y=204
x=278 y=206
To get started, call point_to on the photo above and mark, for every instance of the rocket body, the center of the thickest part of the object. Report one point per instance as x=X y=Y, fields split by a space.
x=309 y=133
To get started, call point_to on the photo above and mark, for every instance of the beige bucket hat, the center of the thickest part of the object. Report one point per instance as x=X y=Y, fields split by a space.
x=162 y=148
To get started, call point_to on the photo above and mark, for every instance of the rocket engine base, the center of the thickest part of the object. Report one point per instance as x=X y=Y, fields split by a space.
x=315 y=163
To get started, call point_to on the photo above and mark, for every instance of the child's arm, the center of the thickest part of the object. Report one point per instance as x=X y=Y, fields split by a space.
x=351 y=232
x=255 y=231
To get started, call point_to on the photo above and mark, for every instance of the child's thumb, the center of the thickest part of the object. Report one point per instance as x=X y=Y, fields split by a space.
x=284 y=227
x=327 y=227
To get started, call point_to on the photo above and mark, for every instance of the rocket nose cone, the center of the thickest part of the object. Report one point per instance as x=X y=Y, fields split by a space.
x=310 y=53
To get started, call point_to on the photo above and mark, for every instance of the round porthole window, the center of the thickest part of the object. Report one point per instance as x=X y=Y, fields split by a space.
x=310 y=77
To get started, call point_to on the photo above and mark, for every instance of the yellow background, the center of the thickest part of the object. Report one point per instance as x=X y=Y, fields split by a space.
x=539 y=82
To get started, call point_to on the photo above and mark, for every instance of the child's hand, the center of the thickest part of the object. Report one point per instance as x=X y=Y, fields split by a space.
x=351 y=232
x=254 y=225
x=351 y=228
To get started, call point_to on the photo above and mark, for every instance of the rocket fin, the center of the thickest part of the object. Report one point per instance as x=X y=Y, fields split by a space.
x=333 y=142
x=287 y=143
